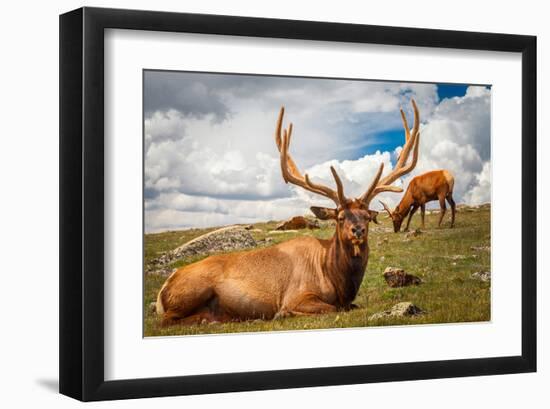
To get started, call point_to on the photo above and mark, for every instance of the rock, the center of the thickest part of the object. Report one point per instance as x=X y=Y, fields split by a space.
x=153 y=307
x=281 y=231
x=249 y=227
x=458 y=257
x=225 y=239
x=484 y=276
x=265 y=241
x=297 y=222
x=414 y=233
x=403 y=309
x=382 y=242
x=256 y=230
x=380 y=229
x=481 y=248
x=396 y=277
x=161 y=272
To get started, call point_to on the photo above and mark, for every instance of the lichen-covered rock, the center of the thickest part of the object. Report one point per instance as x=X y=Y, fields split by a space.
x=482 y=275
x=230 y=238
x=397 y=277
x=481 y=248
x=413 y=233
x=403 y=309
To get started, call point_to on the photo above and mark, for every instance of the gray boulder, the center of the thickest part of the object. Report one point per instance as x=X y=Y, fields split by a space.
x=230 y=238
x=403 y=309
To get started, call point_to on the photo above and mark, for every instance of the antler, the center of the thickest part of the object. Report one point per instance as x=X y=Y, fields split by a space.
x=290 y=171
x=386 y=208
x=412 y=139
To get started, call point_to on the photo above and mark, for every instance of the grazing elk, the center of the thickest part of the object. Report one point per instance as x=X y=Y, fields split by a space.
x=434 y=185
x=301 y=276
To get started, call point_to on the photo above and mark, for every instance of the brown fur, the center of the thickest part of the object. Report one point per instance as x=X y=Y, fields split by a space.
x=433 y=185
x=302 y=276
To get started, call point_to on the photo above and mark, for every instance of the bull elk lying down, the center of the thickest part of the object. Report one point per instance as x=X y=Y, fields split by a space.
x=434 y=185
x=302 y=276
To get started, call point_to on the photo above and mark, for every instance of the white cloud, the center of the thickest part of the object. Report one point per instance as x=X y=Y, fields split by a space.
x=177 y=210
x=481 y=192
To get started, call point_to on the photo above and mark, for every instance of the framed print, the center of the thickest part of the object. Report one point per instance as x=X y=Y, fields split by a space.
x=254 y=204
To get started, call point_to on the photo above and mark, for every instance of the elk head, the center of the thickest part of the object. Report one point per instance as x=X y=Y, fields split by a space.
x=395 y=216
x=352 y=215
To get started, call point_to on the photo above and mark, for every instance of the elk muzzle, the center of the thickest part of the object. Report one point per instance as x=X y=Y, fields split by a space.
x=358 y=239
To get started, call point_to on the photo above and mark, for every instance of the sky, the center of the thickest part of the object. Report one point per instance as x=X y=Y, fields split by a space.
x=211 y=159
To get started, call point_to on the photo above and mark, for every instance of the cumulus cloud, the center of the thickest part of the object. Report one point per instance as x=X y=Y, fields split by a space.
x=210 y=156
x=458 y=138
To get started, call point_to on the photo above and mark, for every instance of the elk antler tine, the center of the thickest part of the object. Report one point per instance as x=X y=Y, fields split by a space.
x=289 y=134
x=324 y=190
x=412 y=138
x=416 y=124
x=373 y=184
x=405 y=125
x=278 y=128
x=387 y=188
x=283 y=157
x=386 y=207
x=339 y=186
x=289 y=170
x=414 y=160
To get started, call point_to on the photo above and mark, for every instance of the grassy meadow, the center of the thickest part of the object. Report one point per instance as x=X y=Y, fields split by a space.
x=443 y=258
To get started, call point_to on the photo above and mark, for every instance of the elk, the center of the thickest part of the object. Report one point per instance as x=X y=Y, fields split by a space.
x=434 y=185
x=302 y=276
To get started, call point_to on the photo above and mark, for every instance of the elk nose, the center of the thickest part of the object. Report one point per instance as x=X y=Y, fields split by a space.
x=358 y=231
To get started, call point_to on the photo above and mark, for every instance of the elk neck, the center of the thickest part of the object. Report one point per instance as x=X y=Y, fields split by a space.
x=344 y=270
x=404 y=206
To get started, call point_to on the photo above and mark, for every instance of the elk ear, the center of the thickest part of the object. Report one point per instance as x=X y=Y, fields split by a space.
x=323 y=213
x=373 y=216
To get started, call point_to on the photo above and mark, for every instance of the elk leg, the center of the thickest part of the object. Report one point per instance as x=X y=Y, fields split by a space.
x=413 y=211
x=309 y=304
x=206 y=315
x=453 y=209
x=422 y=213
x=185 y=304
x=443 y=209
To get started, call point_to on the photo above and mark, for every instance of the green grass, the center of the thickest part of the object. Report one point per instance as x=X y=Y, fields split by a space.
x=442 y=258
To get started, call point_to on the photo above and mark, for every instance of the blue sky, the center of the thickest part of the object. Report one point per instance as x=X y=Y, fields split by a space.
x=389 y=139
x=451 y=90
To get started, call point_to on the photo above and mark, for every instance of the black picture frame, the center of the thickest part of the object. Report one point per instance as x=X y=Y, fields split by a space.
x=82 y=198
